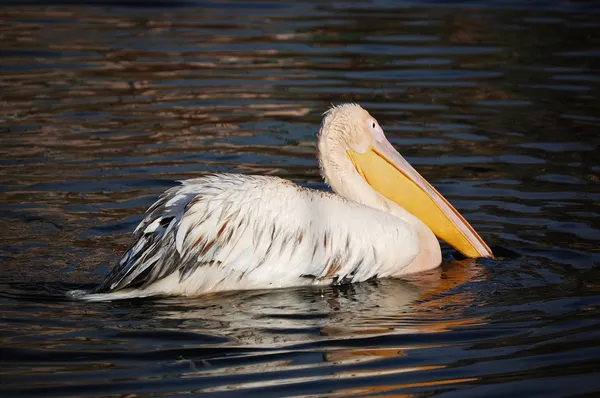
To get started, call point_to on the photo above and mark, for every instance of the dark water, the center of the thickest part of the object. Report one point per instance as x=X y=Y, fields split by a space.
x=496 y=103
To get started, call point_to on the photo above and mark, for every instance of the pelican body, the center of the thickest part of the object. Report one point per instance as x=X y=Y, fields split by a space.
x=233 y=232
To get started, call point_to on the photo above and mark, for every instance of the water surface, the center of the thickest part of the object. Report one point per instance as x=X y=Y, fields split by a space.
x=495 y=103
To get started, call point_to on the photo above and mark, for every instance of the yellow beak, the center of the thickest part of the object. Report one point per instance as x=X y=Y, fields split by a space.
x=391 y=175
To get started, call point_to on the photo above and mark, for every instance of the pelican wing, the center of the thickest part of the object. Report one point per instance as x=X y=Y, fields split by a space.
x=254 y=231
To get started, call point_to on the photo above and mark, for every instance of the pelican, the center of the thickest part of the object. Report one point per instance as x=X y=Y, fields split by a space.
x=237 y=232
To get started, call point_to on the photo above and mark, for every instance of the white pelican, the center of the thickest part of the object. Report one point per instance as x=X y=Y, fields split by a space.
x=232 y=232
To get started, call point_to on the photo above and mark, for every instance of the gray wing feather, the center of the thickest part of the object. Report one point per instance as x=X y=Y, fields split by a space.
x=153 y=254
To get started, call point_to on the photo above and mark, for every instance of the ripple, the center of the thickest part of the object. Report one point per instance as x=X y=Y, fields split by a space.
x=103 y=108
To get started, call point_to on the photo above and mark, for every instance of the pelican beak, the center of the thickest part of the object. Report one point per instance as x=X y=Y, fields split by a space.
x=386 y=171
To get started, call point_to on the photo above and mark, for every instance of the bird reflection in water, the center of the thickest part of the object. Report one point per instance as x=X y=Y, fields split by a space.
x=303 y=314
x=364 y=320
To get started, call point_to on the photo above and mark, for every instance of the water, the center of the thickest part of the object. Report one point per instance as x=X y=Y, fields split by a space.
x=496 y=103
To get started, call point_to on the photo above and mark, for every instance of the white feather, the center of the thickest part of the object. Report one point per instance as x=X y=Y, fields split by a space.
x=250 y=232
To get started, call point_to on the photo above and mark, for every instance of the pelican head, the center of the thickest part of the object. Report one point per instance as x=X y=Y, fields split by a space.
x=359 y=163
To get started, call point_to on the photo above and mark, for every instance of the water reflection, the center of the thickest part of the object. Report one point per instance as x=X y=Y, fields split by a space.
x=255 y=332
x=291 y=315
